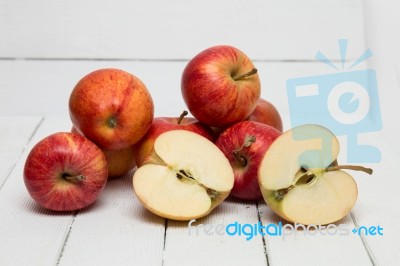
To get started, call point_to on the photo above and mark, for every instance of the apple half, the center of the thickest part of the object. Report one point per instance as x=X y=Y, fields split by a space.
x=184 y=178
x=301 y=181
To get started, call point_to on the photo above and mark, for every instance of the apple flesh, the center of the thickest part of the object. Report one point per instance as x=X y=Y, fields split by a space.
x=65 y=172
x=220 y=86
x=244 y=144
x=301 y=181
x=112 y=108
x=185 y=178
x=267 y=113
x=163 y=124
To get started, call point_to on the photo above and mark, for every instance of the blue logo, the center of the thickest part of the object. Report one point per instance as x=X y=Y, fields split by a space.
x=345 y=102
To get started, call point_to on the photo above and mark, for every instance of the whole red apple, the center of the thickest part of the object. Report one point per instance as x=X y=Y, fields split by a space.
x=119 y=162
x=244 y=144
x=112 y=108
x=220 y=86
x=266 y=113
x=162 y=124
x=65 y=172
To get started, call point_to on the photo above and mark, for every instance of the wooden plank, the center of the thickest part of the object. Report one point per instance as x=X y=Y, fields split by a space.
x=272 y=30
x=378 y=193
x=30 y=235
x=116 y=230
x=15 y=133
x=206 y=242
x=49 y=94
x=297 y=247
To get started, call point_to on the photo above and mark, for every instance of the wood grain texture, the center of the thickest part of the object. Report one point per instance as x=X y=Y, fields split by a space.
x=315 y=247
x=273 y=30
x=15 y=133
x=116 y=230
x=48 y=84
x=206 y=243
x=30 y=234
x=154 y=40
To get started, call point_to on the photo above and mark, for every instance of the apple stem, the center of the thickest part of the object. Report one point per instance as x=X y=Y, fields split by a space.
x=184 y=113
x=74 y=177
x=350 y=167
x=248 y=74
x=247 y=142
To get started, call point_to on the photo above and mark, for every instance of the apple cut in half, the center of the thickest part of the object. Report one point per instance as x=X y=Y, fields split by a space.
x=184 y=178
x=301 y=181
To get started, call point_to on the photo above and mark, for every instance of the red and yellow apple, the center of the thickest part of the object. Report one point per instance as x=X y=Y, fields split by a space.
x=266 y=113
x=163 y=124
x=244 y=144
x=119 y=162
x=112 y=108
x=65 y=172
x=220 y=86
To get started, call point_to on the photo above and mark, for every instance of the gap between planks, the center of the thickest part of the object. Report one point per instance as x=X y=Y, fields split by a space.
x=23 y=150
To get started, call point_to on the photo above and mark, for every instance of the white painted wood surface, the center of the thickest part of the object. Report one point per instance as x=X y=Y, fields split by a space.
x=121 y=29
x=283 y=38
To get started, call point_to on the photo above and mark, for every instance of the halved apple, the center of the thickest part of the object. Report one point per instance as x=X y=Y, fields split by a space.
x=301 y=181
x=184 y=178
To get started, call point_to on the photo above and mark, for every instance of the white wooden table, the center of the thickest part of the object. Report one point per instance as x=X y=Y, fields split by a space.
x=46 y=47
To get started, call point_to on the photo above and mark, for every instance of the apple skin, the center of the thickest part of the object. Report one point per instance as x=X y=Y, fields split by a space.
x=53 y=159
x=245 y=170
x=266 y=113
x=119 y=162
x=144 y=147
x=210 y=90
x=112 y=108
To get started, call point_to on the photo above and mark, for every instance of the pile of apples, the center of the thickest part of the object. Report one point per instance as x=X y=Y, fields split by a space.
x=187 y=166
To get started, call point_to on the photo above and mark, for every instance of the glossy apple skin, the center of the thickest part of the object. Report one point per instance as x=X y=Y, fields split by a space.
x=246 y=185
x=62 y=154
x=267 y=113
x=112 y=108
x=210 y=91
x=163 y=124
x=119 y=162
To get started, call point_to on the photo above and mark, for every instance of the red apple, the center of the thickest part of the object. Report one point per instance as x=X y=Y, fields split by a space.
x=220 y=86
x=119 y=162
x=112 y=108
x=65 y=172
x=266 y=113
x=163 y=124
x=244 y=144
